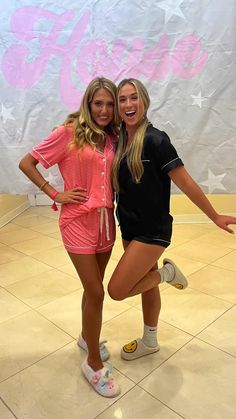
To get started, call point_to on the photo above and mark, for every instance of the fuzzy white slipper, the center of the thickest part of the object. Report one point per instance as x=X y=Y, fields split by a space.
x=136 y=349
x=102 y=380
x=104 y=353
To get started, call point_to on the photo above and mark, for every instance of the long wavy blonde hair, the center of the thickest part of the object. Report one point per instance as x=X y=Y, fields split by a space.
x=85 y=129
x=134 y=150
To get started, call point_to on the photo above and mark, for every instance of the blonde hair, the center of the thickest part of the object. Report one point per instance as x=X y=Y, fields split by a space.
x=134 y=150
x=84 y=127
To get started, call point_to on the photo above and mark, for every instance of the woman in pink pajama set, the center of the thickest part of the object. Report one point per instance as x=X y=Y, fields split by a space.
x=83 y=148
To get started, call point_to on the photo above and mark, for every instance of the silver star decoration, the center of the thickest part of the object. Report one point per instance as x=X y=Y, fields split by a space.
x=6 y=113
x=197 y=100
x=169 y=123
x=214 y=181
x=171 y=8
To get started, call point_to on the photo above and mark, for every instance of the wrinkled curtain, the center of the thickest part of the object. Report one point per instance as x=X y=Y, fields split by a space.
x=182 y=50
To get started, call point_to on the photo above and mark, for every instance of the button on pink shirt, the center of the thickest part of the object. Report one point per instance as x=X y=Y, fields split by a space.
x=89 y=169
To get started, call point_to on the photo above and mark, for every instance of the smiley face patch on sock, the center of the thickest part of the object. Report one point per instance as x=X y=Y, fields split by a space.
x=130 y=347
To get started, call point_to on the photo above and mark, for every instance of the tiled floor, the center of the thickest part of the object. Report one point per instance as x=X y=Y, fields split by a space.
x=192 y=377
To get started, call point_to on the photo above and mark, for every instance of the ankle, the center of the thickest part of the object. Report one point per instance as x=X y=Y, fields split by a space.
x=150 y=336
x=167 y=273
x=96 y=365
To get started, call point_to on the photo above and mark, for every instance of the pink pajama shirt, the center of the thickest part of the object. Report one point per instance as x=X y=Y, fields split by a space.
x=87 y=227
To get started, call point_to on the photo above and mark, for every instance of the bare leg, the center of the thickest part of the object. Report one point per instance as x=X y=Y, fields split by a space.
x=102 y=260
x=151 y=304
x=90 y=269
x=151 y=300
x=133 y=274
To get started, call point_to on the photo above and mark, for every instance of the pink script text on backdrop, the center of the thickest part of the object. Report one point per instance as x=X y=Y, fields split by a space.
x=94 y=57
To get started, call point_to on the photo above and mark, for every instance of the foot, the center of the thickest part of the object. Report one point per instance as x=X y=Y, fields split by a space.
x=104 y=353
x=102 y=380
x=137 y=349
x=179 y=281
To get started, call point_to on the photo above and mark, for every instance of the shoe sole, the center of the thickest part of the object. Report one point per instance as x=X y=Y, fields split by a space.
x=130 y=356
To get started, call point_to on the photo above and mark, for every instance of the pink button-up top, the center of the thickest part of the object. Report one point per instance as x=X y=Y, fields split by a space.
x=89 y=169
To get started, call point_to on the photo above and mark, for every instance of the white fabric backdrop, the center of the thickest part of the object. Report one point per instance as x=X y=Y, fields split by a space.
x=183 y=51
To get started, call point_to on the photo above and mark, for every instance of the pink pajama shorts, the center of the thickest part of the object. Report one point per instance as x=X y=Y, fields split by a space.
x=90 y=233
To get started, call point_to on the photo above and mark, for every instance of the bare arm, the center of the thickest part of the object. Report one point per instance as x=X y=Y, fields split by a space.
x=28 y=166
x=186 y=184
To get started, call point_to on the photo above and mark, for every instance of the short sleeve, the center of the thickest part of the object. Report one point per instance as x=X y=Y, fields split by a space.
x=166 y=154
x=53 y=148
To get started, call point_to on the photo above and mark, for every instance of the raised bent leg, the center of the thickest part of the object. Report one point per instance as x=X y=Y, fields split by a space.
x=133 y=274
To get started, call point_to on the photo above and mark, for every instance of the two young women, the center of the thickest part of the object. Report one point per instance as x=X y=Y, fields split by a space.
x=142 y=167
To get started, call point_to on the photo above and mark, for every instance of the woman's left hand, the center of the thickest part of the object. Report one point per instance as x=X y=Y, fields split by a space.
x=223 y=221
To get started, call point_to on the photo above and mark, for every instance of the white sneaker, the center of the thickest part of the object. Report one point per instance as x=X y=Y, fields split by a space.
x=104 y=353
x=179 y=281
x=137 y=349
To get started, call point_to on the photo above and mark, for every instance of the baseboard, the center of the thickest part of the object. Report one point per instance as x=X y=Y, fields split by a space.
x=13 y=213
x=193 y=218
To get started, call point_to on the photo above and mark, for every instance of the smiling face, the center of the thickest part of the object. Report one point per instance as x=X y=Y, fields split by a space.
x=102 y=108
x=130 y=106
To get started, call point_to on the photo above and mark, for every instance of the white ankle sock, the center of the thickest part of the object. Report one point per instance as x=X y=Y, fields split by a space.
x=149 y=336
x=167 y=272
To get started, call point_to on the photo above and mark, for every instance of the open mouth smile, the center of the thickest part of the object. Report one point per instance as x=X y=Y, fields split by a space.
x=129 y=114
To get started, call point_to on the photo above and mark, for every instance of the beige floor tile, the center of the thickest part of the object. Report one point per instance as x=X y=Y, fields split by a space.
x=219 y=238
x=65 y=312
x=190 y=377
x=30 y=247
x=202 y=253
x=183 y=233
x=191 y=310
x=56 y=235
x=69 y=269
x=221 y=333
x=43 y=210
x=187 y=265
x=55 y=388
x=113 y=308
x=43 y=288
x=55 y=257
x=5 y=412
x=227 y=262
x=139 y=405
x=118 y=250
x=20 y=269
x=30 y=220
x=129 y=326
x=8 y=254
x=10 y=306
x=196 y=382
x=9 y=227
x=17 y=236
x=48 y=228
x=25 y=340
x=215 y=281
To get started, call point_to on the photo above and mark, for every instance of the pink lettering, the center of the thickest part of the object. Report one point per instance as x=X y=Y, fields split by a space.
x=188 y=59
x=94 y=57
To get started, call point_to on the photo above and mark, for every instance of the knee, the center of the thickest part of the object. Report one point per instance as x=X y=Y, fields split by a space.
x=95 y=296
x=115 y=293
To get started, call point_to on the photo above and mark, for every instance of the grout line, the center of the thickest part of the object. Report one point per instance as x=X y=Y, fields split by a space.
x=6 y=405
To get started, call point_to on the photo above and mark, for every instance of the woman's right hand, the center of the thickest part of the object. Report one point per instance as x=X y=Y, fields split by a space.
x=73 y=196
